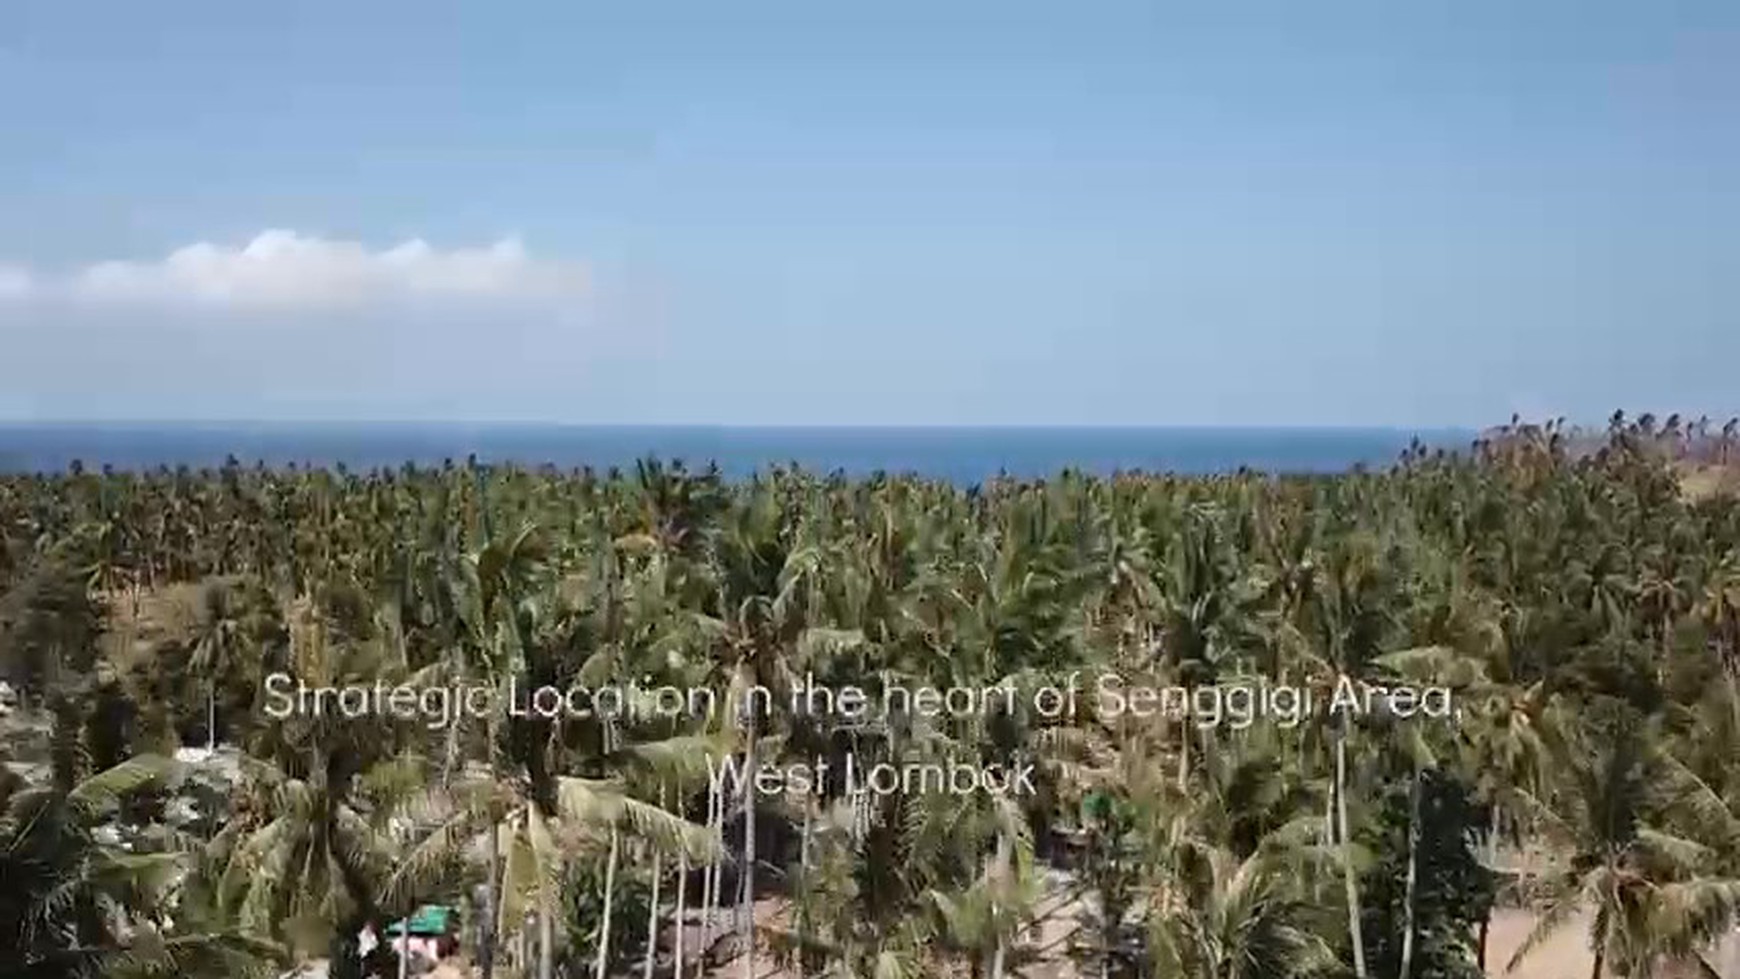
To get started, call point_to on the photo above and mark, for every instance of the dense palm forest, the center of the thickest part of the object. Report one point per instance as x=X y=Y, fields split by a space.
x=1582 y=606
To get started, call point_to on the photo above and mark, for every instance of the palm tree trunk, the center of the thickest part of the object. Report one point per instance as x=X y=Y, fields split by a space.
x=1347 y=871
x=604 y=925
x=1407 y=966
x=1000 y=950
x=746 y=925
x=803 y=894
x=546 y=942
x=682 y=908
x=1492 y=832
x=1729 y=672
x=1184 y=753
x=404 y=949
x=710 y=874
x=1328 y=838
x=1492 y=840
x=652 y=920
x=1600 y=954
x=450 y=756
x=211 y=716
x=491 y=885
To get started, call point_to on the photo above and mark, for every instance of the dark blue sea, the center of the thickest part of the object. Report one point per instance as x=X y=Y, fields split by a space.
x=962 y=455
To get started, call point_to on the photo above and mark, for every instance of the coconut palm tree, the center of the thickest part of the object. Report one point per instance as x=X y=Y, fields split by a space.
x=1236 y=919
x=306 y=849
x=1718 y=610
x=1627 y=814
x=220 y=632
x=72 y=901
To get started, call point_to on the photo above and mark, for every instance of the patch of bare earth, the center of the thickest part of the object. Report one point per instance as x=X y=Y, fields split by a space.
x=1704 y=480
x=1049 y=948
x=139 y=620
x=1565 y=953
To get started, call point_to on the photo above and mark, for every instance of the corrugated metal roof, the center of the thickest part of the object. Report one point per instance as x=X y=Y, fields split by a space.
x=430 y=919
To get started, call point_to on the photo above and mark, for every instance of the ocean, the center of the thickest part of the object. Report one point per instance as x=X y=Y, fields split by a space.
x=961 y=455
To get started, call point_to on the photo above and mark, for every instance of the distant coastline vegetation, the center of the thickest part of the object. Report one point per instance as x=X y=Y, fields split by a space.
x=959 y=454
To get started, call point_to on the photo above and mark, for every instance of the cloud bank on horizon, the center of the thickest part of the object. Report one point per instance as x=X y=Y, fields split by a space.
x=281 y=269
x=288 y=324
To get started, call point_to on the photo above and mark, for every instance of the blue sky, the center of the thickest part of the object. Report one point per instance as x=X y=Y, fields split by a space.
x=1419 y=213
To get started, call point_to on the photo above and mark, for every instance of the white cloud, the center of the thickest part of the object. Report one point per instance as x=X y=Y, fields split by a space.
x=284 y=270
x=15 y=281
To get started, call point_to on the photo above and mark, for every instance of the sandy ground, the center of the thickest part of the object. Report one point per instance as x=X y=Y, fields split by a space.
x=1044 y=951
x=1565 y=955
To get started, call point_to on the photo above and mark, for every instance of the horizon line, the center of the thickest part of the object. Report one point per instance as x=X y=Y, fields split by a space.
x=20 y=423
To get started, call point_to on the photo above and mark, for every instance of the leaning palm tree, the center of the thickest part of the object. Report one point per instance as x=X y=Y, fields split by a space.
x=1627 y=815
x=70 y=901
x=867 y=912
x=983 y=917
x=1226 y=918
x=199 y=941
x=535 y=831
x=306 y=847
x=303 y=859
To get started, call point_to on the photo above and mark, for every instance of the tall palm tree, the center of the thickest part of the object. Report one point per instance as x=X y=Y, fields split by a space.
x=764 y=590
x=1718 y=609
x=1625 y=815
x=306 y=849
x=1350 y=619
x=1236 y=919
x=490 y=595
x=220 y=632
